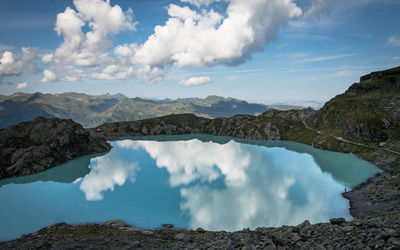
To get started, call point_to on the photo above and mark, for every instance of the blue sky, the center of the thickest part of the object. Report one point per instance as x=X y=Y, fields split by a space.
x=259 y=50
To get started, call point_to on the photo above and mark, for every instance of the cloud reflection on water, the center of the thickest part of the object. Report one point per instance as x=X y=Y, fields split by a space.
x=106 y=172
x=262 y=186
x=187 y=161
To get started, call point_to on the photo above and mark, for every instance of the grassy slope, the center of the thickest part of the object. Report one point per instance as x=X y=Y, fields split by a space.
x=368 y=111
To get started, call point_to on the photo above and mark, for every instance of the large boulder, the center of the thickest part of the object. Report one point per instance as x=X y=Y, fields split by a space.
x=34 y=146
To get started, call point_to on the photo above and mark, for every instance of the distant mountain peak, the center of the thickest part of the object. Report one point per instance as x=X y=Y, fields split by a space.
x=299 y=105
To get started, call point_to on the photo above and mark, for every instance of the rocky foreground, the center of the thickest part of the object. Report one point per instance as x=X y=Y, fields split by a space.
x=35 y=146
x=373 y=233
x=364 y=121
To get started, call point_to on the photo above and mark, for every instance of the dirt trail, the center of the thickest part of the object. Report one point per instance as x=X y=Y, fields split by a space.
x=347 y=141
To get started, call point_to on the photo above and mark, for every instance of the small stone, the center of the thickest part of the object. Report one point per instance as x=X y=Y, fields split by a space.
x=304 y=224
x=295 y=237
x=167 y=226
x=183 y=237
x=281 y=239
x=146 y=232
x=136 y=243
x=337 y=221
x=348 y=229
x=200 y=230
x=180 y=236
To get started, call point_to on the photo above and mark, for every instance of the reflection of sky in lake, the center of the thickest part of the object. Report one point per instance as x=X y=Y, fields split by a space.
x=190 y=183
x=106 y=172
x=262 y=186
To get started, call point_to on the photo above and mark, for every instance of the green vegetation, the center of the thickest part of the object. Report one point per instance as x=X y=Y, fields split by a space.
x=368 y=112
x=91 y=111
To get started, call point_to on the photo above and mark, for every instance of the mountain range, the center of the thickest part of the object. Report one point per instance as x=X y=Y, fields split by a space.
x=297 y=105
x=94 y=110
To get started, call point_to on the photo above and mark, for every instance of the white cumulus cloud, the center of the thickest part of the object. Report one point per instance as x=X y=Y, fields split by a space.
x=89 y=49
x=22 y=85
x=207 y=38
x=195 y=81
x=48 y=76
x=114 y=71
x=191 y=37
x=14 y=63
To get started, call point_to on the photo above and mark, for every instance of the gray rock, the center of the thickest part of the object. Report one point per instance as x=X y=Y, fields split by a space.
x=35 y=146
x=337 y=221
x=167 y=226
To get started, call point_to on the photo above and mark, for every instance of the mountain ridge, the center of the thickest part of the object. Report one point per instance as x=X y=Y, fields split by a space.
x=94 y=110
x=368 y=111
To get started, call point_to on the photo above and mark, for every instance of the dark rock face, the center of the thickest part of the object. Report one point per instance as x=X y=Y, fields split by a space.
x=31 y=147
x=337 y=221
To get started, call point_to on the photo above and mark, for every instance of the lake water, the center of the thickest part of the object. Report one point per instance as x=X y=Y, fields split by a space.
x=191 y=181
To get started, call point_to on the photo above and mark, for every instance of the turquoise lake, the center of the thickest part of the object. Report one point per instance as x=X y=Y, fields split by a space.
x=191 y=181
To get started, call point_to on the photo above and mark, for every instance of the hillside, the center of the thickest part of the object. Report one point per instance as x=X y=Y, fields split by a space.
x=368 y=112
x=91 y=111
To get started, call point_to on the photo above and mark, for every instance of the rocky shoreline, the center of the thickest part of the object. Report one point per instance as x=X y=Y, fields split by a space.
x=371 y=233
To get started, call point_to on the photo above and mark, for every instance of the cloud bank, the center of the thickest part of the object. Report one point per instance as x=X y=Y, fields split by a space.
x=206 y=38
x=191 y=37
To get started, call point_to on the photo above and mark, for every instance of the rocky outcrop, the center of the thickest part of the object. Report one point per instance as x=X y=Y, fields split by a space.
x=368 y=111
x=31 y=147
x=380 y=74
x=271 y=125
